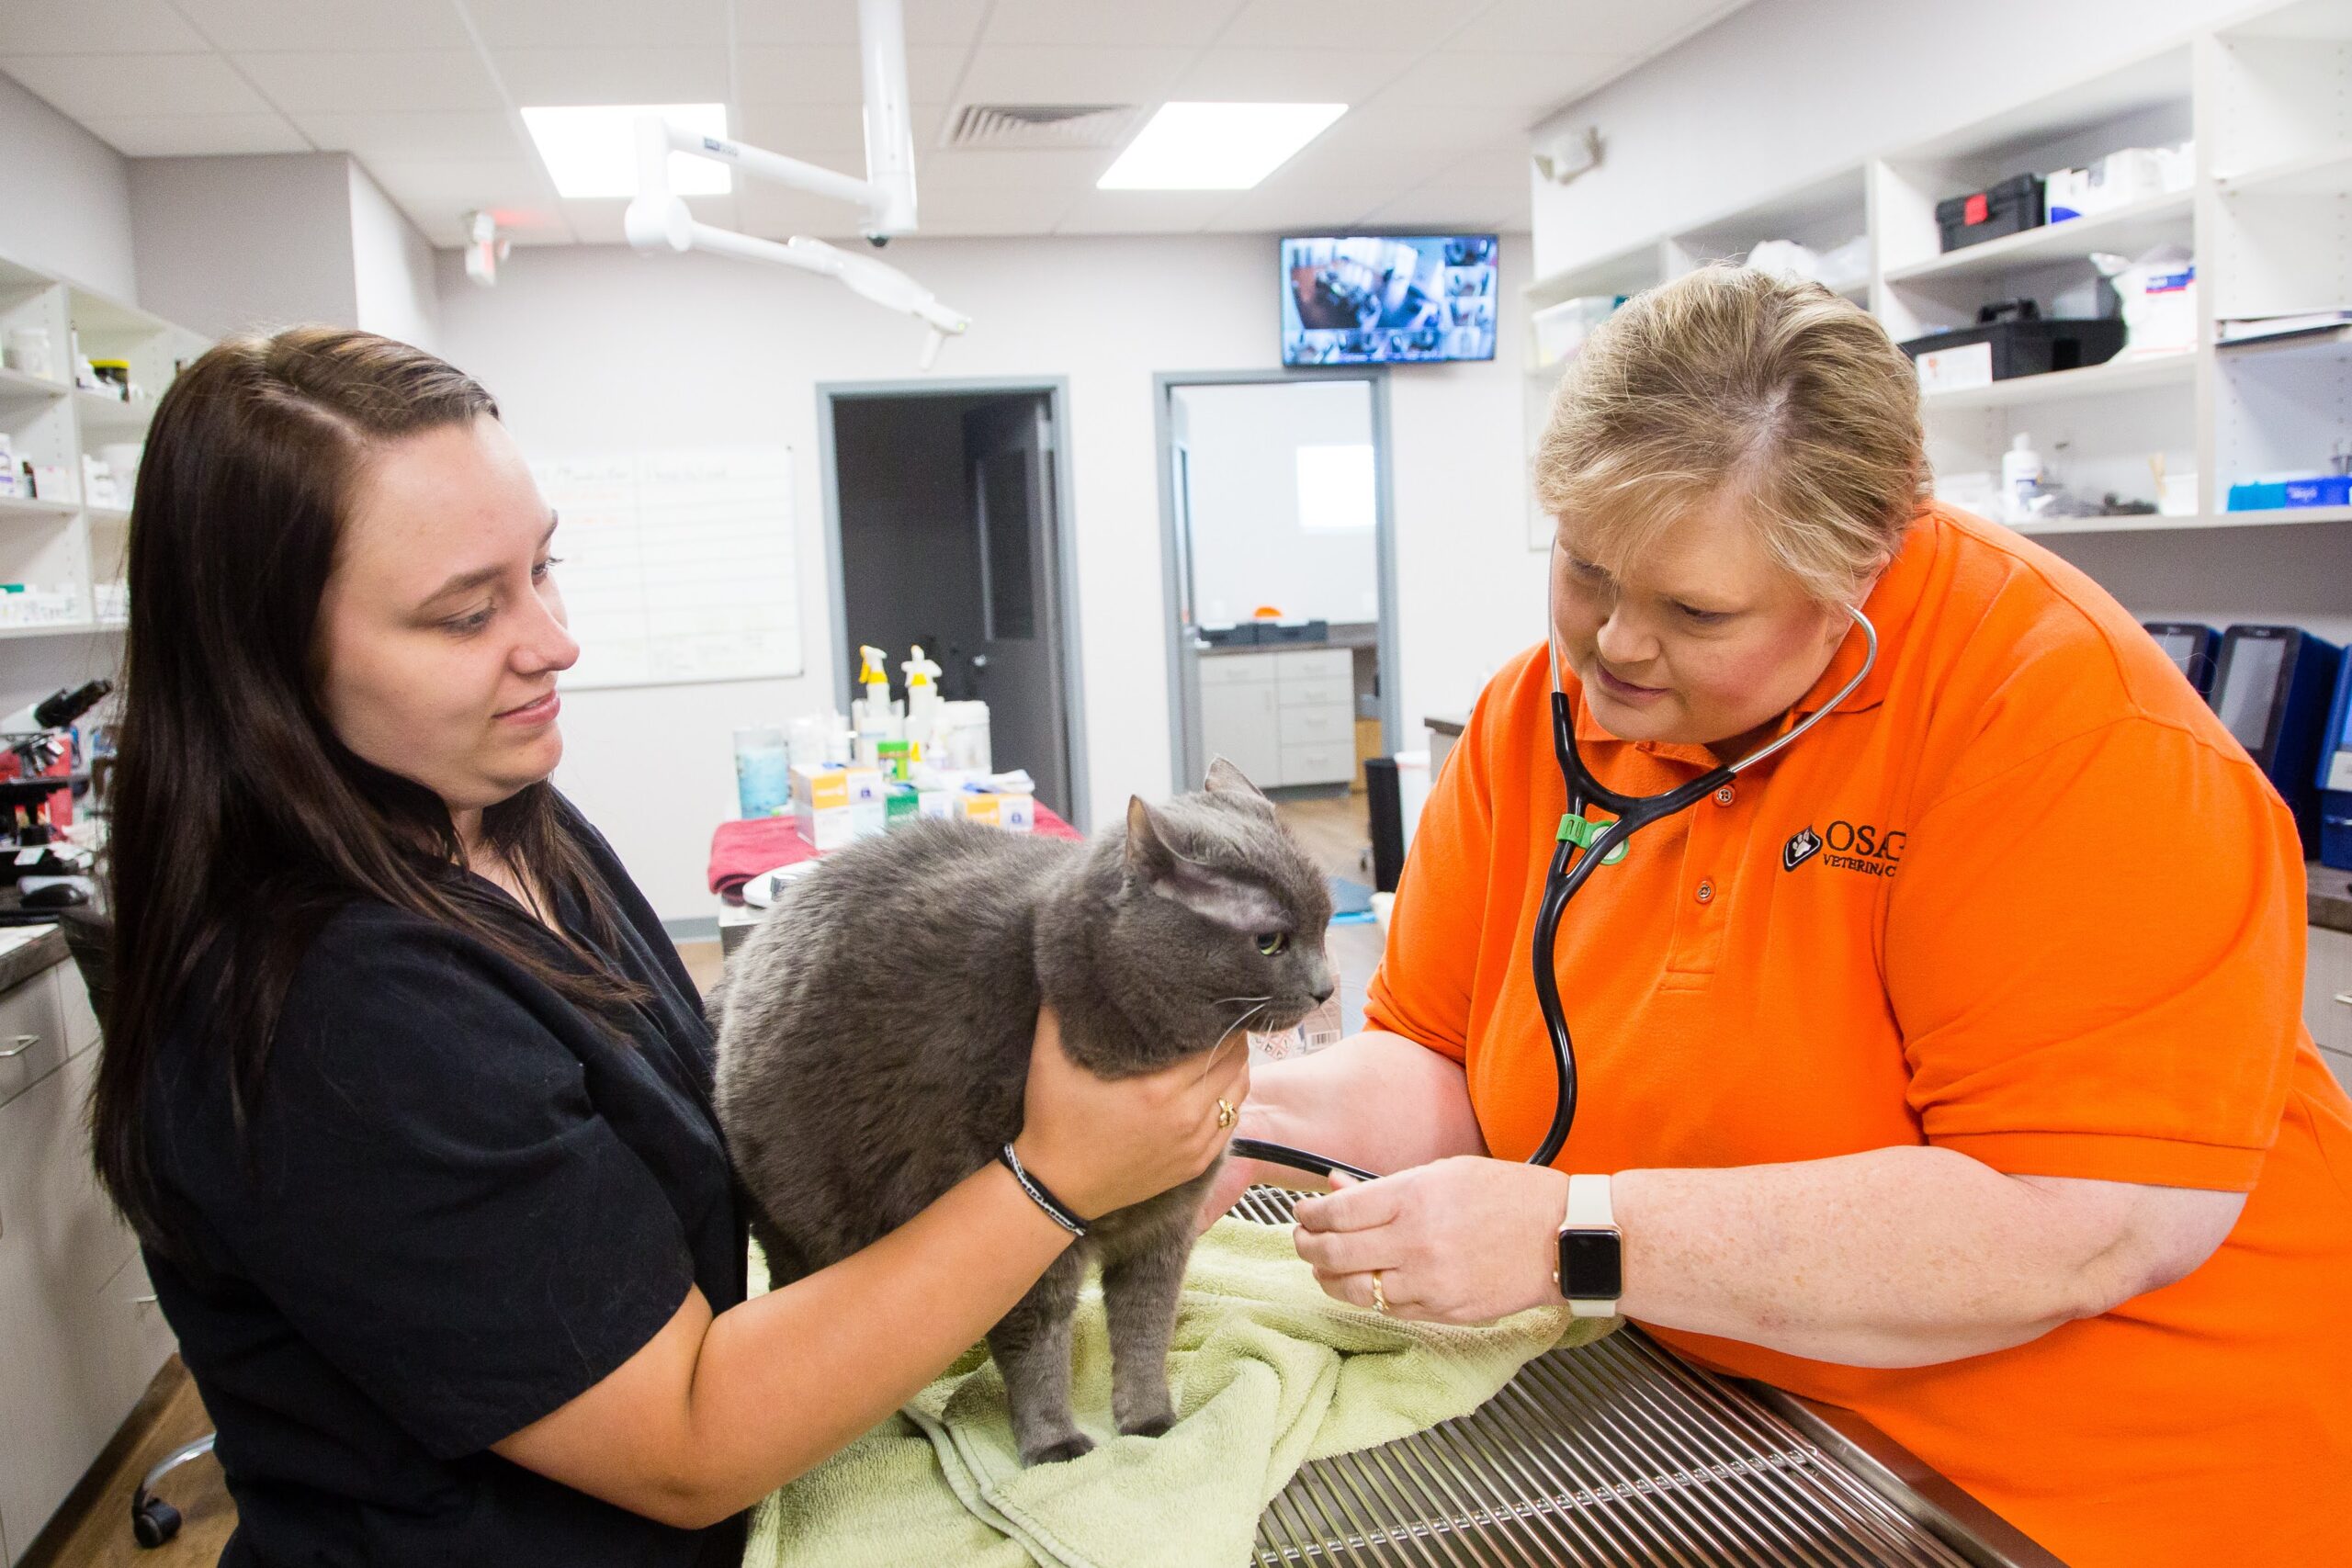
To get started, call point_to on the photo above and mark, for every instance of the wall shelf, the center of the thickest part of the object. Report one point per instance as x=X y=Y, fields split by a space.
x=17 y=387
x=26 y=507
x=2326 y=171
x=104 y=414
x=2091 y=382
x=2126 y=229
x=2283 y=517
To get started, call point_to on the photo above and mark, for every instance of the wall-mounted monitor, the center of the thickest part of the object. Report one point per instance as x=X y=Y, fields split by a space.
x=1388 y=299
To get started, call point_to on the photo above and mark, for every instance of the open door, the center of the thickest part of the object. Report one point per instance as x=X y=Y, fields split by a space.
x=1017 y=666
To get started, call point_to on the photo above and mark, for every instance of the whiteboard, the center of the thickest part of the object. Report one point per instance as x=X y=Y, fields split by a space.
x=677 y=566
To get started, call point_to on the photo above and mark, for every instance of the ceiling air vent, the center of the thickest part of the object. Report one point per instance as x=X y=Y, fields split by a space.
x=1053 y=126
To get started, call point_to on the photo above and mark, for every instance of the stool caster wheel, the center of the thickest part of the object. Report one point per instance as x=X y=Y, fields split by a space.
x=154 y=1522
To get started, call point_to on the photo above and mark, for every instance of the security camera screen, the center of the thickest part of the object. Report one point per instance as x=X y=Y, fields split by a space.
x=1366 y=301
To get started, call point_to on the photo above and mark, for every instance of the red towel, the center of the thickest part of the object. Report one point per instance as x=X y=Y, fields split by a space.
x=741 y=850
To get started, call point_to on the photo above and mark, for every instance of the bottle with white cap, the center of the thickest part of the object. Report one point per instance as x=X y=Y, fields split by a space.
x=2020 y=478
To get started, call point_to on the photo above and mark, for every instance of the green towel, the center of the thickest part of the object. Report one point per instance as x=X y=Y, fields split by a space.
x=1266 y=1373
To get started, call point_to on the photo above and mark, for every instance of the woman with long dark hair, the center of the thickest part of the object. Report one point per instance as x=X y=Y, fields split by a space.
x=402 y=1085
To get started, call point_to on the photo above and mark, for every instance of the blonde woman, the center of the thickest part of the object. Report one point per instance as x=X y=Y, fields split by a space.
x=1947 y=1066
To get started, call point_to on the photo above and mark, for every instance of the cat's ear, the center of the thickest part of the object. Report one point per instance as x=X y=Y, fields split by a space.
x=1226 y=779
x=1229 y=900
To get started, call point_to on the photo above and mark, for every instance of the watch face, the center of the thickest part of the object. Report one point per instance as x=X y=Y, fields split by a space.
x=1592 y=1266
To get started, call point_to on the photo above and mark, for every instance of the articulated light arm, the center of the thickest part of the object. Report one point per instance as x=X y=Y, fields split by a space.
x=658 y=219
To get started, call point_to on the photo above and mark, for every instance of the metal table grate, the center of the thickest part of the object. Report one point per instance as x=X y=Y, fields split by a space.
x=1617 y=1453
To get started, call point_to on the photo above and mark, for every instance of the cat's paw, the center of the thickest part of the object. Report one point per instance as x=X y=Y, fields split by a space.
x=1069 y=1448
x=1150 y=1427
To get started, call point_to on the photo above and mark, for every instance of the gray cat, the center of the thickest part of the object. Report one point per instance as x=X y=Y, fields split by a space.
x=874 y=1044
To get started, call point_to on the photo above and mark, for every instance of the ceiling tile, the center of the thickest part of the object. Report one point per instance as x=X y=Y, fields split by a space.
x=571 y=24
x=87 y=86
x=1530 y=80
x=514 y=189
x=1143 y=211
x=1468 y=209
x=1393 y=120
x=992 y=212
x=610 y=76
x=1035 y=168
x=829 y=73
x=1187 y=23
x=1588 y=27
x=236 y=24
x=396 y=136
x=94 y=26
x=441 y=81
x=1290 y=75
x=835 y=21
x=1042 y=74
x=197 y=135
x=831 y=134
x=1326 y=161
x=1295 y=211
x=1503 y=164
x=1344 y=24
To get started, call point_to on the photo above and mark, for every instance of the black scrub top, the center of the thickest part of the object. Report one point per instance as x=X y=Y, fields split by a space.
x=465 y=1204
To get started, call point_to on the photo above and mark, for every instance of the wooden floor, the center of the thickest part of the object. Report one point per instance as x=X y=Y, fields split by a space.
x=93 y=1528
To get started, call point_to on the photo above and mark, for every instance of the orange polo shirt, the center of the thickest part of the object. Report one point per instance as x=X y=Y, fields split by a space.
x=2022 y=897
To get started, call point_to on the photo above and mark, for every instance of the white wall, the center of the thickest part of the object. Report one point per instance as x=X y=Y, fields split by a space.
x=595 y=348
x=64 y=197
x=1248 y=546
x=394 y=287
x=1784 y=91
x=239 y=244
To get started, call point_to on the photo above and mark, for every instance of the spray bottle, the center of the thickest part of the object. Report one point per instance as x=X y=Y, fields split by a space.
x=875 y=716
x=922 y=697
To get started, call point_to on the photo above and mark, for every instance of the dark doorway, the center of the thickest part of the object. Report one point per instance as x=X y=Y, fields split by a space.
x=950 y=522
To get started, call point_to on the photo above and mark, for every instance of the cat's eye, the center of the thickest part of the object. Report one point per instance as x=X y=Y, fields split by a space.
x=1274 y=943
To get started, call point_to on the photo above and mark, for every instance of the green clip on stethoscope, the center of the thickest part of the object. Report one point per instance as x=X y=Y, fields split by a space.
x=1581 y=846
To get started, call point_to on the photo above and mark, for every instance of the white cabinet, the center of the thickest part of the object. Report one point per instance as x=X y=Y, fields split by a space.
x=77 y=1347
x=2327 y=999
x=1286 y=716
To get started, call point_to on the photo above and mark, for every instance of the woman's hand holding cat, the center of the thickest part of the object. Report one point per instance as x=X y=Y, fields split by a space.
x=1102 y=1144
x=1463 y=1240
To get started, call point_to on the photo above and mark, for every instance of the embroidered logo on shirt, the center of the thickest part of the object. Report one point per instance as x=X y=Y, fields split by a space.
x=1851 y=846
x=1802 y=847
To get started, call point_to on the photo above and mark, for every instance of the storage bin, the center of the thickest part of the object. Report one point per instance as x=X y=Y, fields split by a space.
x=2011 y=206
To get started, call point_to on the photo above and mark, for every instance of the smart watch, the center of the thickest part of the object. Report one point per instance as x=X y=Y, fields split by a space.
x=1591 y=1272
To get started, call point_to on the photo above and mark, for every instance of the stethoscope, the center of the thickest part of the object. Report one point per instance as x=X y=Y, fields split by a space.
x=1581 y=847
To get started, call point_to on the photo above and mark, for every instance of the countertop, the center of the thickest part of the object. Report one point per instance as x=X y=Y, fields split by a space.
x=1344 y=634
x=28 y=958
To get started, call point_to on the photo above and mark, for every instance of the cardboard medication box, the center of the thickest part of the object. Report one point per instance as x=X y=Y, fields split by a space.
x=832 y=805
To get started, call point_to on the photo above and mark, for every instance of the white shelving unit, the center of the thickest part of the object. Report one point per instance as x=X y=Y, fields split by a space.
x=63 y=542
x=2268 y=101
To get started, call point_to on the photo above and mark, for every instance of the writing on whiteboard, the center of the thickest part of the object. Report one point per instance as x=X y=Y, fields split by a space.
x=677 y=566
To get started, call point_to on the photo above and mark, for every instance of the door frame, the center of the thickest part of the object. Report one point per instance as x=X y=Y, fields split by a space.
x=1056 y=391
x=1163 y=386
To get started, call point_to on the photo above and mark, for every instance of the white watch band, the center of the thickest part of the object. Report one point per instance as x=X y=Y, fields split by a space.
x=1590 y=1209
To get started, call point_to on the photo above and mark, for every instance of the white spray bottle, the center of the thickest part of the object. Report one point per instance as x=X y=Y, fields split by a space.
x=922 y=697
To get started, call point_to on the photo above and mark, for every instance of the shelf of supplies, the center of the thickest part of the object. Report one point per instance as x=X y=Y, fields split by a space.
x=2312 y=340
x=2327 y=171
x=54 y=628
x=1627 y=272
x=2158 y=523
x=15 y=387
x=2127 y=229
x=104 y=413
x=24 y=506
x=2091 y=380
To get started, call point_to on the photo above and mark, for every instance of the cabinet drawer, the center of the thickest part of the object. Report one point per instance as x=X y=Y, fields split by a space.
x=76 y=1015
x=1237 y=723
x=2327 y=988
x=1320 y=693
x=1235 y=668
x=1327 y=724
x=1320 y=762
x=32 y=1035
x=1317 y=664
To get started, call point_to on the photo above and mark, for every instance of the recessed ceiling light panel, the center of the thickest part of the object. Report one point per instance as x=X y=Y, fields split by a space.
x=591 y=149
x=1216 y=146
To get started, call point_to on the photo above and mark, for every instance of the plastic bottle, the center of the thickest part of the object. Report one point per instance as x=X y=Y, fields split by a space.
x=876 y=679
x=2020 y=477
x=922 y=697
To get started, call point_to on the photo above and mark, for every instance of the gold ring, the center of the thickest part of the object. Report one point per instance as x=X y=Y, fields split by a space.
x=1225 y=1115
x=1379 y=1296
